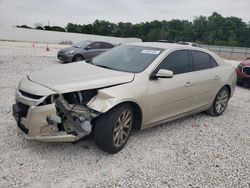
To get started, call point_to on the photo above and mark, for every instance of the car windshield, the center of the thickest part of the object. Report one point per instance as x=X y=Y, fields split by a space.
x=82 y=44
x=128 y=58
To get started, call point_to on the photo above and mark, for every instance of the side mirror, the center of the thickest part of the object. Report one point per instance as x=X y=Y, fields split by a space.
x=88 y=48
x=162 y=73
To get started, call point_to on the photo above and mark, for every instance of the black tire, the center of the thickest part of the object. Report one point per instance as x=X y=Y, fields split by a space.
x=214 y=110
x=78 y=58
x=107 y=129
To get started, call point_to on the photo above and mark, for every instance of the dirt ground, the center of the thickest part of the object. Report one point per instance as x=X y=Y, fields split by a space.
x=197 y=151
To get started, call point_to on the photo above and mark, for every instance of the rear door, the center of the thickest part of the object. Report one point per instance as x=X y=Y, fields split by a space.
x=171 y=97
x=207 y=82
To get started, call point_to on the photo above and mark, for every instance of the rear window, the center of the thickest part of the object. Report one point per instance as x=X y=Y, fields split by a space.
x=107 y=45
x=202 y=60
x=96 y=45
x=213 y=62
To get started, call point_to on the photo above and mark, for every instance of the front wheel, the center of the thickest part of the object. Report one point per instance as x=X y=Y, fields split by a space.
x=113 y=128
x=220 y=102
x=78 y=58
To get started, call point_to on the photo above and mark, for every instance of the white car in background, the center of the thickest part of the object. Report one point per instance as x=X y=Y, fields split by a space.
x=189 y=43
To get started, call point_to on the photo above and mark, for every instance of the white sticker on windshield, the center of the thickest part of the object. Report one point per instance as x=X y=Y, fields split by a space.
x=150 y=52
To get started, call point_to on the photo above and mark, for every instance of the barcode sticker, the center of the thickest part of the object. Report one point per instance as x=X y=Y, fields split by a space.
x=150 y=52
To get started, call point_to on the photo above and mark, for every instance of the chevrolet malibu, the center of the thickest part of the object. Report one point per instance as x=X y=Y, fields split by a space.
x=132 y=86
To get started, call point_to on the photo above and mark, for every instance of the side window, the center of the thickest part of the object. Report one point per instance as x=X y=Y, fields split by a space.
x=213 y=62
x=95 y=45
x=177 y=61
x=202 y=60
x=107 y=45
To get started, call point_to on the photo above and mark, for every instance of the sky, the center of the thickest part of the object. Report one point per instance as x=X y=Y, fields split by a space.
x=61 y=12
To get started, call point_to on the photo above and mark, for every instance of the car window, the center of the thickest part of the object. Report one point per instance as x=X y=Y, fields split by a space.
x=128 y=58
x=213 y=62
x=107 y=45
x=178 y=62
x=96 y=45
x=82 y=44
x=201 y=60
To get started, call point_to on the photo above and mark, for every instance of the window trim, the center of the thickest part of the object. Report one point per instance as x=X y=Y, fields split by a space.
x=190 y=63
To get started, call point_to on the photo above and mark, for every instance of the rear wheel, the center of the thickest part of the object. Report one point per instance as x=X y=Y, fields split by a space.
x=220 y=102
x=113 y=128
x=78 y=58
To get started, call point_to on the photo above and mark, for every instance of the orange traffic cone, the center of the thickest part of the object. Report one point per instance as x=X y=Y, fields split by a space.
x=47 y=48
x=33 y=45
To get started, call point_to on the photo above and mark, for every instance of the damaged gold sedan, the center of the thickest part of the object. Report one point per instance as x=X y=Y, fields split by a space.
x=132 y=86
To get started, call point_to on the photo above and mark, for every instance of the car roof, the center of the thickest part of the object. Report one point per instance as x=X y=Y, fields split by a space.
x=165 y=45
x=246 y=62
x=93 y=41
x=174 y=46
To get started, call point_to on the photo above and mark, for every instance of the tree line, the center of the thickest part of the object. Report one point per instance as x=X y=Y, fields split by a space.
x=212 y=30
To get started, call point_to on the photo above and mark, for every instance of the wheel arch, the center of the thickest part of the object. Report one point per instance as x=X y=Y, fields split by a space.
x=78 y=55
x=137 y=112
x=229 y=89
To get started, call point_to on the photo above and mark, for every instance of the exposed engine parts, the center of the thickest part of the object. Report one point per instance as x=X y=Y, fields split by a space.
x=80 y=97
x=74 y=114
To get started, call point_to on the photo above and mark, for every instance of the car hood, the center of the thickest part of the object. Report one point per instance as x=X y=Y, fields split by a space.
x=66 y=49
x=246 y=63
x=79 y=76
x=63 y=50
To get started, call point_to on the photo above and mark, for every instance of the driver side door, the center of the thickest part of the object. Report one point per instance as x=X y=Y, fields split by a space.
x=171 y=97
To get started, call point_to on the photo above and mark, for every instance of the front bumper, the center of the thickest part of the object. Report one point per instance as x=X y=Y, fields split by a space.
x=241 y=78
x=33 y=122
x=67 y=58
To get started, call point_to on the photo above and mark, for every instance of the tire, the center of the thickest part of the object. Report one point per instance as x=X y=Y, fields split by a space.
x=78 y=58
x=113 y=128
x=220 y=102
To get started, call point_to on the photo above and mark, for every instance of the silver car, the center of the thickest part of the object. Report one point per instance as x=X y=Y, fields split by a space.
x=83 y=51
x=132 y=86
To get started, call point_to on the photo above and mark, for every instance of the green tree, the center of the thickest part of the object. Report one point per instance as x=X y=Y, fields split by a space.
x=24 y=26
x=214 y=29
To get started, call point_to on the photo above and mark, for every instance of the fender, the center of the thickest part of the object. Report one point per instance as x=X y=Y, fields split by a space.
x=103 y=102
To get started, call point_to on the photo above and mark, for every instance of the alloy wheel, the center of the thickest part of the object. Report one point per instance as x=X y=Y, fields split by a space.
x=221 y=101
x=122 y=128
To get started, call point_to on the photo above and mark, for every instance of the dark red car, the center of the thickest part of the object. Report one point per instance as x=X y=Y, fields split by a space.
x=243 y=73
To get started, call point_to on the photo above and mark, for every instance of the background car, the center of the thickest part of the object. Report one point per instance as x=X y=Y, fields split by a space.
x=83 y=51
x=243 y=73
x=189 y=43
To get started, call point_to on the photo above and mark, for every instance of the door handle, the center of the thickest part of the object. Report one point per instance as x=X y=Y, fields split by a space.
x=188 y=84
x=216 y=77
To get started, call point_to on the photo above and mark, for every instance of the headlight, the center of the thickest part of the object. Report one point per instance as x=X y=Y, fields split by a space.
x=70 y=52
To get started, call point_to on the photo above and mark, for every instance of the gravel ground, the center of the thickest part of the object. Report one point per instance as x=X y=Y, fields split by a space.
x=197 y=151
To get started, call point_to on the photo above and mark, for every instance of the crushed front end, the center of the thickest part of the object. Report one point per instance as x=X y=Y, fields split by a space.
x=55 y=117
